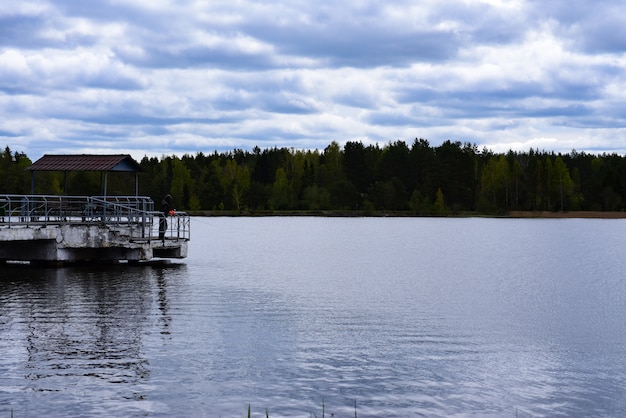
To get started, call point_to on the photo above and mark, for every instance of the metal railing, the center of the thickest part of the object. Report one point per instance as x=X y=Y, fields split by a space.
x=129 y=215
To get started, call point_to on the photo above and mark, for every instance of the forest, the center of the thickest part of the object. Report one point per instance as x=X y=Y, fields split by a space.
x=416 y=178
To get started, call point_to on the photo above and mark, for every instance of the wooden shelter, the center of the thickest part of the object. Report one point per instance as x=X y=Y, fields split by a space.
x=87 y=162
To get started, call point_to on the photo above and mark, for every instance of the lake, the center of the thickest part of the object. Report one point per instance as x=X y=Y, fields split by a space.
x=304 y=316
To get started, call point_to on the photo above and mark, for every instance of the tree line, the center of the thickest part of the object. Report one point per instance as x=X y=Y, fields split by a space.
x=453 y=177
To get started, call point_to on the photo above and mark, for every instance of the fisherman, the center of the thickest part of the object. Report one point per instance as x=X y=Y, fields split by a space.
x=166 y=209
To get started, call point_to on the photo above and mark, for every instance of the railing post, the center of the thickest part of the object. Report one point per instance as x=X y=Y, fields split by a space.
x=143 y=219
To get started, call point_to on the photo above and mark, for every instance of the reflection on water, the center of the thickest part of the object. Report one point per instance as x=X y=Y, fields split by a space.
x=407 y=317
x=78 y=332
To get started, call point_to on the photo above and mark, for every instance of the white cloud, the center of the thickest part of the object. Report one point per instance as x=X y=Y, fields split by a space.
x=195 y=76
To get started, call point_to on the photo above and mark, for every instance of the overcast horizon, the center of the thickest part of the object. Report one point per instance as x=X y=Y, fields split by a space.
x=162 y=77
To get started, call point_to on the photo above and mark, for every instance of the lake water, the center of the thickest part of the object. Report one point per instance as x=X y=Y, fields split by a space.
x=406 y=317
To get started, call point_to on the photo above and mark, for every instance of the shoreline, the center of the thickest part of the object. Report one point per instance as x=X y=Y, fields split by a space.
x=521 y=214
x=582 y=214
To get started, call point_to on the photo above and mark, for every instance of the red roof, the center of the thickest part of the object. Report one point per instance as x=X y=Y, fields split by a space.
x=85 y=162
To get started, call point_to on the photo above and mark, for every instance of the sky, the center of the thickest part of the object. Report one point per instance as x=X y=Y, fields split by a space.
x=169 y=77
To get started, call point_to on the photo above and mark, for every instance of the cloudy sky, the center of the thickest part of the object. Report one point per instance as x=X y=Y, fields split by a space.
x=163 y=77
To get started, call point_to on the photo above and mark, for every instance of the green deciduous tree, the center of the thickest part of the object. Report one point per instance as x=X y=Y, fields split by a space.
x=181 y=184
x=280 y=190
x=235 y=180
x=563 y=185
x=440 y=206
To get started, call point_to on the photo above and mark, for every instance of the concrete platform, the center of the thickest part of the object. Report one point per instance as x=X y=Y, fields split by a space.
x=124 y=233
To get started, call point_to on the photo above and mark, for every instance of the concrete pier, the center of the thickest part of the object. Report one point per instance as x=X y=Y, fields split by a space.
x=56 y=229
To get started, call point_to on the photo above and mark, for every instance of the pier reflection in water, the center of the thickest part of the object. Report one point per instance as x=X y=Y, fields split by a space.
x=76 y=335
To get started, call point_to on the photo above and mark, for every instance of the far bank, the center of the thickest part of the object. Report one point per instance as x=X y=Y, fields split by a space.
x=356 y=214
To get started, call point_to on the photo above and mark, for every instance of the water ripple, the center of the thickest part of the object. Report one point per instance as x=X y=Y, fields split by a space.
x=405 y=317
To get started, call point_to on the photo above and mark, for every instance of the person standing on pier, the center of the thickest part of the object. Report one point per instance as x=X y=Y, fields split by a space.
x=166 y=207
